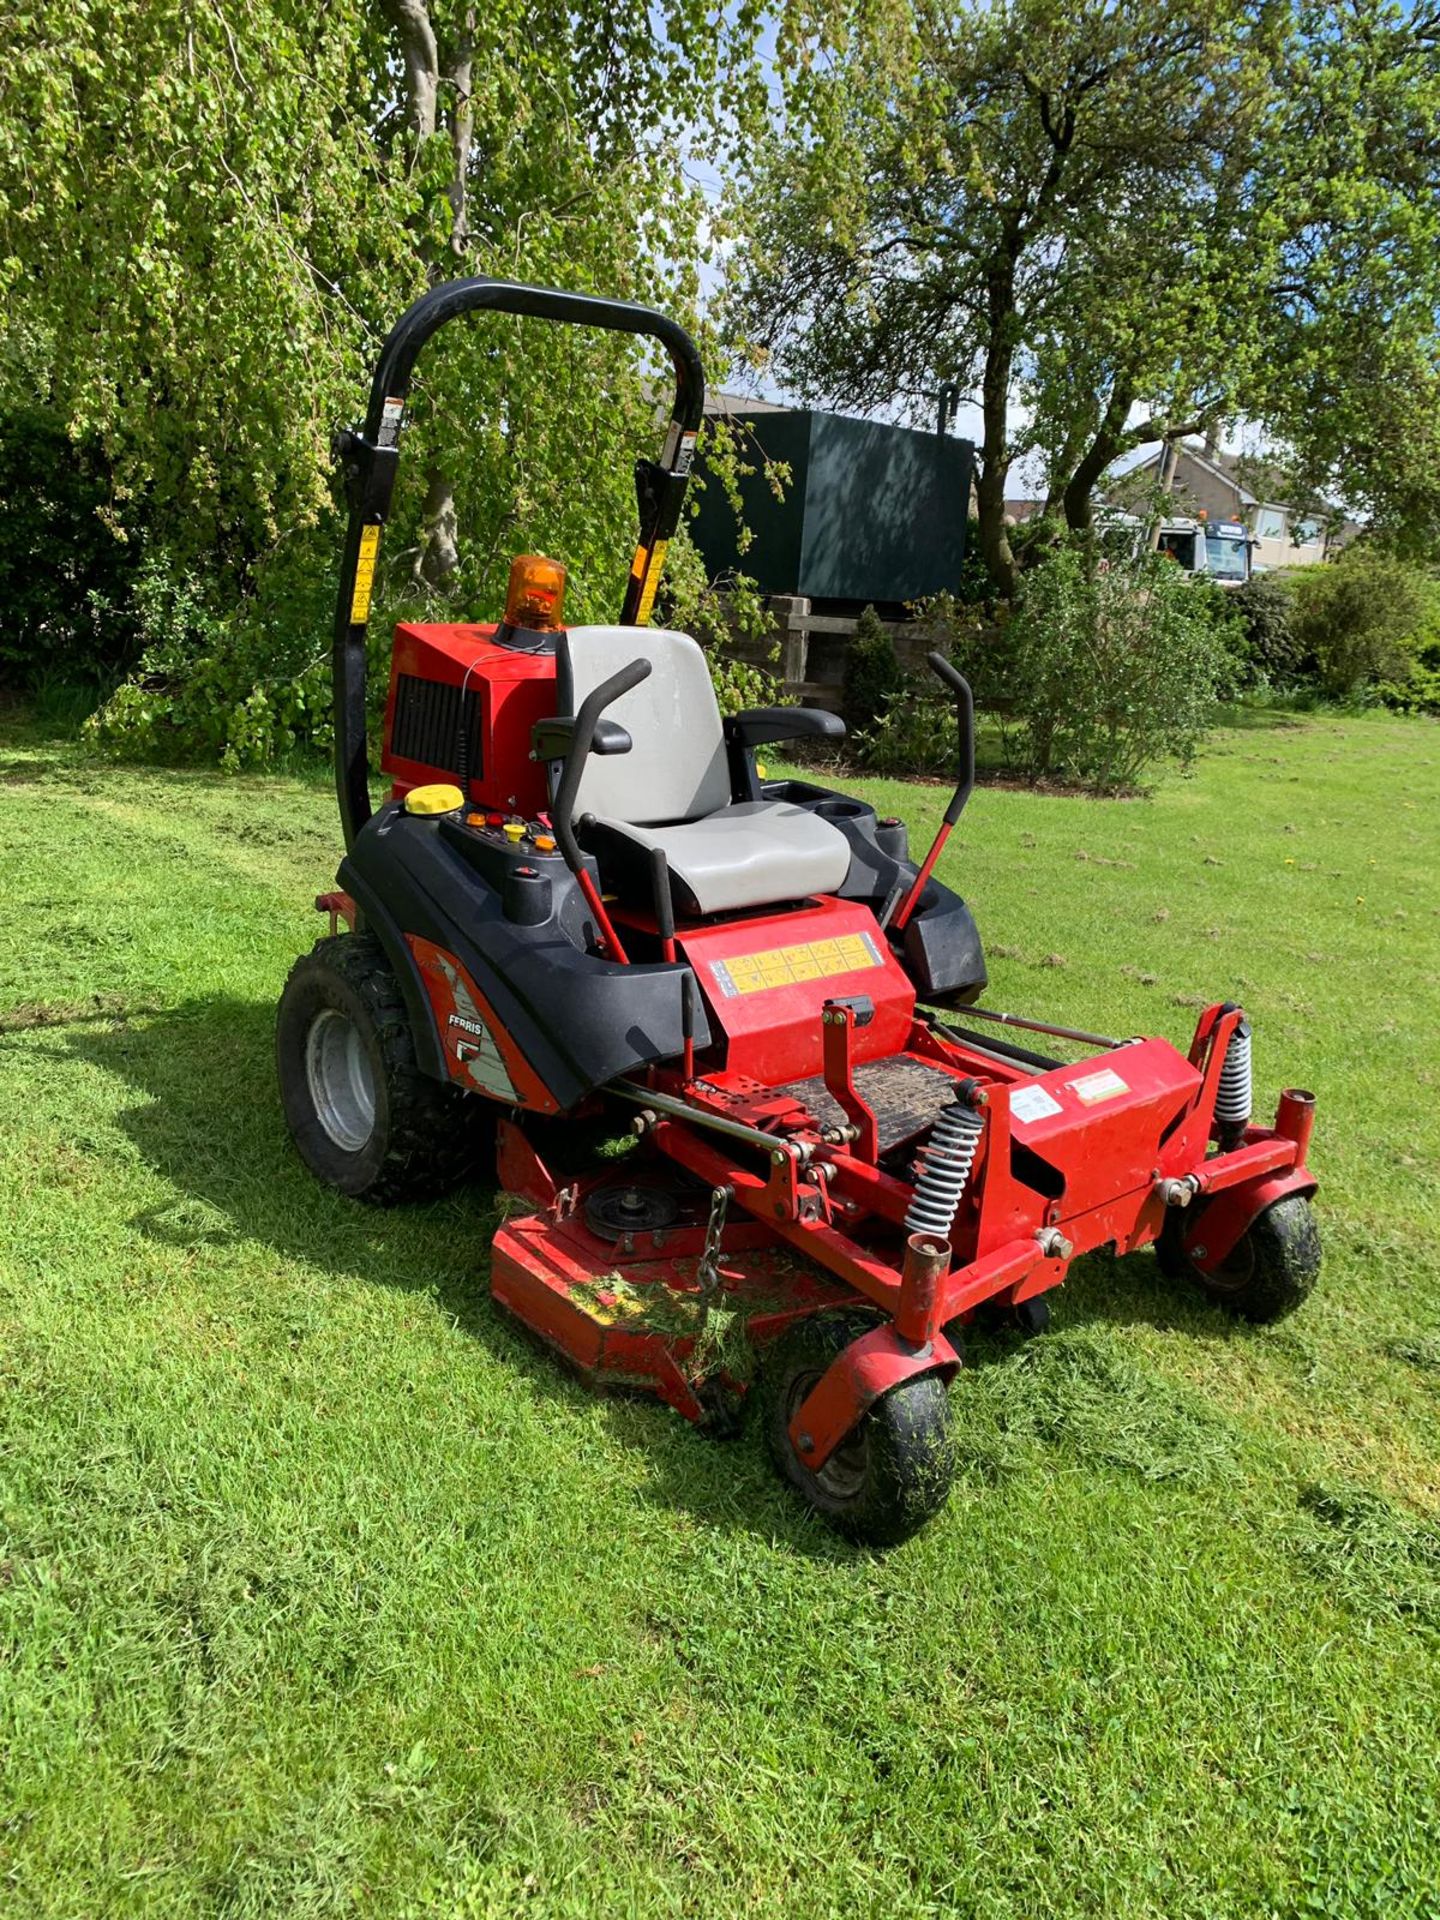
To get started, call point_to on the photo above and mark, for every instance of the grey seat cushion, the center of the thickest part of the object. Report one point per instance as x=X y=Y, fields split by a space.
x=751 y=854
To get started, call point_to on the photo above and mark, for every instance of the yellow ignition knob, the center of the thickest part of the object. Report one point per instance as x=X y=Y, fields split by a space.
x=437 y=799
x=514 y=831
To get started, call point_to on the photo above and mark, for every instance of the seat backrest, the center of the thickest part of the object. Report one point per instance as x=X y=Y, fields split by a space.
x=676 y=768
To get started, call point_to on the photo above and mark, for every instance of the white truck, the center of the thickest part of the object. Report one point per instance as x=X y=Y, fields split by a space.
x=1218 y=550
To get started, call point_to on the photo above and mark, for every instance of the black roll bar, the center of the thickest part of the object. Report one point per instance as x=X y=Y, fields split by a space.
x=370 y=455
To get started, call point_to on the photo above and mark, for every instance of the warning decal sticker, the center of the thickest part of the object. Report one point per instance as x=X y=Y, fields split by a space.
x=788 y=966
x=1032 y=1103
x=652 y=583
x=364 y=575
x=1096 y=1087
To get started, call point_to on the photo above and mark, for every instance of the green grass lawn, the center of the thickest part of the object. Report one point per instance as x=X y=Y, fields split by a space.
x=322 y=1590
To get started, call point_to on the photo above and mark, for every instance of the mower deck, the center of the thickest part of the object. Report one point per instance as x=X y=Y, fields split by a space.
x=637 y=1313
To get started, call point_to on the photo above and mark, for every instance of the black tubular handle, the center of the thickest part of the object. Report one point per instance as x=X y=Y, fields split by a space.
x=369 y=457
x=660 y=887
x=965 y=724
x=562 y=810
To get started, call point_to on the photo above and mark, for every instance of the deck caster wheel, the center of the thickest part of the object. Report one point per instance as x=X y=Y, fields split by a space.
x=1266 y=1274
x=893 y=1472
x=364 y=1117
x=1031 y=1317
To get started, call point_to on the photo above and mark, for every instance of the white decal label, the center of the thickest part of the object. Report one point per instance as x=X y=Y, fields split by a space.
x=1032 y=1103
x=1096 y=1087
x=475 y=1046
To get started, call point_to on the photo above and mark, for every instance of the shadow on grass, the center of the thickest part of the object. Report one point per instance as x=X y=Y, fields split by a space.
x=209 y=1123
x=1238 y=717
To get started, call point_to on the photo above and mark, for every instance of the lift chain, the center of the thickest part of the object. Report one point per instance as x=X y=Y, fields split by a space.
x=707 y=1274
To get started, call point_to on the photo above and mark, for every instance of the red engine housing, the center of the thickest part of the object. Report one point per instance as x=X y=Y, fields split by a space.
x=434 y=668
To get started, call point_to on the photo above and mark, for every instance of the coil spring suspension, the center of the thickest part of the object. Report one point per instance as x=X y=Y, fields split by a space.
x=942 y=1168
x=1235 y=1094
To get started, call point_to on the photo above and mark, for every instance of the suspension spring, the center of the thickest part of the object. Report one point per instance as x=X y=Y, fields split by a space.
x=1234 y=1095
x=942 y=1167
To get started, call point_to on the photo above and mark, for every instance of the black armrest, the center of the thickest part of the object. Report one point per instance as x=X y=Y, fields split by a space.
x=760 y=726
x=552 y=739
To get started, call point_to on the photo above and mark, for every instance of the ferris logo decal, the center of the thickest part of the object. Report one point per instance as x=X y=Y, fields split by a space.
x=479 y=1055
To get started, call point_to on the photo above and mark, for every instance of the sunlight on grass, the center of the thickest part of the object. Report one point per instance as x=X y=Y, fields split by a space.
x=323 y=1590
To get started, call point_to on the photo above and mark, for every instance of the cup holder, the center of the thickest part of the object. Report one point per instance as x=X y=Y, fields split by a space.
x=841 y=809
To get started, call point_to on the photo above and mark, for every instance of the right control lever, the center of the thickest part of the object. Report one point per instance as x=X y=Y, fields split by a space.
x=965 y=785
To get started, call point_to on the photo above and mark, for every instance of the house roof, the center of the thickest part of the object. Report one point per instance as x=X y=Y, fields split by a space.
x=1255 y=481
x=722 y=405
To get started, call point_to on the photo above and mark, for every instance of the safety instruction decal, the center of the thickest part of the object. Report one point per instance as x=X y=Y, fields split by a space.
x=652 y=582
x=1096 y=1087
x=364 y=575
x=1032 y=1103
x=789 y=966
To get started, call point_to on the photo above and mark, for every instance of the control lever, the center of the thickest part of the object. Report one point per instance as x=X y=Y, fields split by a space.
x=562 y=811
x=965 y=786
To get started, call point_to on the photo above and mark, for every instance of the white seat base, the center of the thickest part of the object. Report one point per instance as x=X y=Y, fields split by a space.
x=754 y=853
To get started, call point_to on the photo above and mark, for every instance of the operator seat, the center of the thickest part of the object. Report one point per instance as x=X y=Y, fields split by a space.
x=673 y=788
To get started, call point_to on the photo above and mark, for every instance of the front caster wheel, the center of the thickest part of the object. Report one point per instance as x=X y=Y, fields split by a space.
x=887 y=1477
x=365 y=1118
x=1266 y=1274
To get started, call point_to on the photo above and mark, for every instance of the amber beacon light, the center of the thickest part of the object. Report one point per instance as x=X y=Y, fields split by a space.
x=535 y=597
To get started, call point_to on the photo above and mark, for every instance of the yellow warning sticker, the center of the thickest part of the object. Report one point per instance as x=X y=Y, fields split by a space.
x=790 y=966
x=364 y=575
x=652 y=582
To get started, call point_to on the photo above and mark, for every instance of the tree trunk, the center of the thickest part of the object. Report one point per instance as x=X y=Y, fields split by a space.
x=1108 y=444
x=462 y=126
x=411 y=21
x=1169 y=464
x=424 y=78
x=439 y=544
x=995 y=545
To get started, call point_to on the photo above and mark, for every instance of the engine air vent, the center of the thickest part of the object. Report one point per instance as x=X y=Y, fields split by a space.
x=426 y=727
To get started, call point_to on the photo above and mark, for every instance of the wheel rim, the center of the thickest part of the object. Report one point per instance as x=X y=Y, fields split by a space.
x=342 y=1087
x=843 y=1475
x=1236 y=1270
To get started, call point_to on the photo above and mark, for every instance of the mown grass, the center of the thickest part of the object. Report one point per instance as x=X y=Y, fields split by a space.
x=323 y=1591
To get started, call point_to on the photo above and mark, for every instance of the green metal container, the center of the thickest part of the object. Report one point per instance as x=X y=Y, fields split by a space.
x=871 y=513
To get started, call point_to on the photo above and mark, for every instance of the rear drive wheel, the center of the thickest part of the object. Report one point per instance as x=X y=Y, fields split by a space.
x=887 y=1477
x=364 y=1117
x=1266 y=1274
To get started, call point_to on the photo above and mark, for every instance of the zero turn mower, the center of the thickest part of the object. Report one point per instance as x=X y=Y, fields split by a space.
x=585 y=905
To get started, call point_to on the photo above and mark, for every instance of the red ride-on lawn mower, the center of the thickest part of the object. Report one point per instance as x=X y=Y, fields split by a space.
x=585 y=906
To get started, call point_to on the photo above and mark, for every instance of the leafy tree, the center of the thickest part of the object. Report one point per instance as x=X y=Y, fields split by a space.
x=1118 y=221
x=210 y=215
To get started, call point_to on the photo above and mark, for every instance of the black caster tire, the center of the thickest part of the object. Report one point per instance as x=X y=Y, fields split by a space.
x=893 y=1473
x=1029 y=1319
x=1032 y=1316
x=1271 y=1268
x=363 y=1116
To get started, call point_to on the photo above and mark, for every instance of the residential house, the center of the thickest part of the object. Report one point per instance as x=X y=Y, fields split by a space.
x=1225 y=486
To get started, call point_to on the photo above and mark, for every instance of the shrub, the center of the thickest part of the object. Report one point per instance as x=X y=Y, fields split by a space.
x=1112 y=669
x=243 y=686
x=65 y=578
x=1415 y=686
x=872 y=672
x=1269 y=654
x=913 y=732
x=1354 y=616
